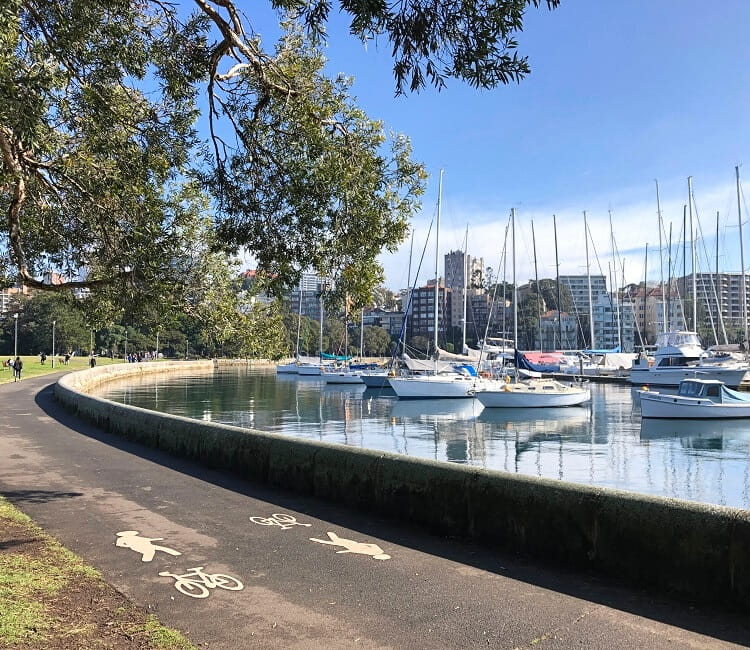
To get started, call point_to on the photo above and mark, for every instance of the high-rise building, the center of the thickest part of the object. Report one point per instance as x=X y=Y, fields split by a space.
x=721 y=303
x=422 y=312
x=579 y=290
x=464 y=278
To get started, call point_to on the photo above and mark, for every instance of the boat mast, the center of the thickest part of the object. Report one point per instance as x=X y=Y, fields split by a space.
x=437 y=259
x=717 y=290
x=588 y=279
x=515 y=287
x=669 y=277
x=505 y=287
x=320 y=344
x=742 y=254
x=614 y=283
x=362 y=333
x=536 y=279
x=692 y=255
x=661 y=261
x=683 y=296
x=557 y=284
x=644 y=340
x=465 y=274
x=299 y=320
x=408 y=300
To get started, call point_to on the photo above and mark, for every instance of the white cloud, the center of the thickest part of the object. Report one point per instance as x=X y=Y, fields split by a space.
x=634 y=223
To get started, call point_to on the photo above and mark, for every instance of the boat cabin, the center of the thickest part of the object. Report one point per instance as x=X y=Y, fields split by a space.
x=713 y=390
x=701 y=388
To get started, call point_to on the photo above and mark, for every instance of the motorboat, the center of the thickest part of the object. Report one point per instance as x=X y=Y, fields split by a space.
x=696 y=399
x=678 y=356
x=532 y=393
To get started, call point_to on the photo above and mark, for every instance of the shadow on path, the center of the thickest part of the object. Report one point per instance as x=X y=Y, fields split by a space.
x=39 y=496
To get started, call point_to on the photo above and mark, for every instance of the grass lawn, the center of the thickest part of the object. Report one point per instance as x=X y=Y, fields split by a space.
x=50 y=599
x=32 y=366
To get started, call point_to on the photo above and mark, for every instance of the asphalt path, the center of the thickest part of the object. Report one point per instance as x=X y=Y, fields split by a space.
x=85 y=486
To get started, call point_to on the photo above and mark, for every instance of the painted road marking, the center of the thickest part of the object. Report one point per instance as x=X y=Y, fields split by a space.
x=195 y=583
x=282 y=520
x=131 y=539
x=350 y=546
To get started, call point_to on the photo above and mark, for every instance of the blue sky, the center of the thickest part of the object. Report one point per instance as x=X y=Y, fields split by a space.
x=620 y=94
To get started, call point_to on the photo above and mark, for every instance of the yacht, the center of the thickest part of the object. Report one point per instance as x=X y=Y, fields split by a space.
x=678 y=356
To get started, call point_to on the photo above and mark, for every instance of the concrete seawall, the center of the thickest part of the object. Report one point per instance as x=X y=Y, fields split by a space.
x=694 y=551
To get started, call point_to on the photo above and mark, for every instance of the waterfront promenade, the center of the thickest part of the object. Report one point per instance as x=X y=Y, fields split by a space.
x=300 y=590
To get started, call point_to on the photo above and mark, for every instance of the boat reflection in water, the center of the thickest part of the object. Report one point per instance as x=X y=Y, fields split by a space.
x=701 y=434
x=549 y=419
x=436 y=409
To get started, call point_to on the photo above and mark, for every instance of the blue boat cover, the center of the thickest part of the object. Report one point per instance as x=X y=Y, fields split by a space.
x=728 y=396
x=334 y=357
x=466 y=369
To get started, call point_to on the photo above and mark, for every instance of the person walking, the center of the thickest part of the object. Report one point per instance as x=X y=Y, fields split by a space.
x=17 y=367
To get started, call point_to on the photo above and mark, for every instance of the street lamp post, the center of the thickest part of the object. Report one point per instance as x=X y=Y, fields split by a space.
x=15 y=337
x=53 y=343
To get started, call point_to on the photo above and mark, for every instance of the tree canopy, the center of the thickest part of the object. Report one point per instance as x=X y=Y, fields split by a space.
x=102 y=112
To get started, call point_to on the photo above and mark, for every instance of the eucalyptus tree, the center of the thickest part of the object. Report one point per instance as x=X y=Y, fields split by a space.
x=99 y=107
x=376 y=341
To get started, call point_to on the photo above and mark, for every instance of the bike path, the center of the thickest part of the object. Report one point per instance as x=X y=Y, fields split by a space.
x=318 y=576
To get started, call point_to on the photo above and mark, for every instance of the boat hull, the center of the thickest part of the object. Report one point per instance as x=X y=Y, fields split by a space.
x=732 y=377
x=657 y=405
x=376 y=380
x=288 y=368
x=342 y=378
x=515 y=397
x=433 y=387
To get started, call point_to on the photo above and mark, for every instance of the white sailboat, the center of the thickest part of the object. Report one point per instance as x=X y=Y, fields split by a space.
x=292 y=368
x=531 y=393
x=438 y=385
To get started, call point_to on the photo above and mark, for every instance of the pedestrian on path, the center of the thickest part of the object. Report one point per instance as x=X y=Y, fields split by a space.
x=17 y=367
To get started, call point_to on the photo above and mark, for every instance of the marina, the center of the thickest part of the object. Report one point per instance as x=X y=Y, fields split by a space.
x=604 y=443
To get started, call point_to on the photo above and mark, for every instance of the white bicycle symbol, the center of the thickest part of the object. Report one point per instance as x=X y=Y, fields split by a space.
x=281 y=520
x=196 y=584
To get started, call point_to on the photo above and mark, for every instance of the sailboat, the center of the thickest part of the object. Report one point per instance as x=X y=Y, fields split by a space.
x=345 y=374
x=314 y=367
x=292 y=368
x=530 y=393
x=438 y=385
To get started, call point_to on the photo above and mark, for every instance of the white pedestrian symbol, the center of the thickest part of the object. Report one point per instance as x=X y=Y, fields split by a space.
x=350 y=546
x=131 y=539
x=281 y=519
x=196 y=583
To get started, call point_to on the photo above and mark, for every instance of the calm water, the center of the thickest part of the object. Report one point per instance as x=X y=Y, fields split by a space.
x=605 y=444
